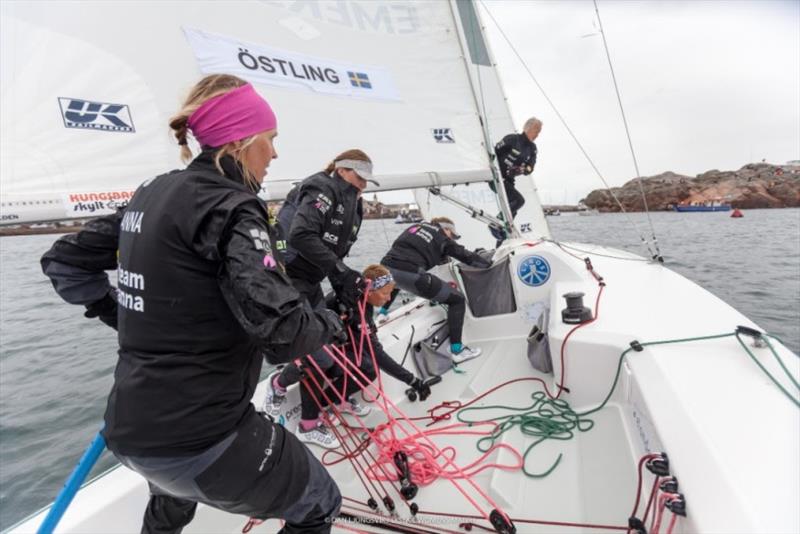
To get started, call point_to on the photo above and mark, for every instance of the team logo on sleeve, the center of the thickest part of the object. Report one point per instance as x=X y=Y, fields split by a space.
x=260 y=240
x=323 y=203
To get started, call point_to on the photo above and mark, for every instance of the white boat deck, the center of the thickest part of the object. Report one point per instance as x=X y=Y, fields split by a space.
x=732 y=437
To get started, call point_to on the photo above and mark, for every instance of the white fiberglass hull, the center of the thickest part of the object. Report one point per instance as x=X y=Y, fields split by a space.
x=732 y=437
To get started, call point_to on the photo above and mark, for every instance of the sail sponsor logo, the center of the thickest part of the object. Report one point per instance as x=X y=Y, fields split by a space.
x=78 y=113
x=359 y=79
x=443 y=135
x=365 y=15
x=95 y=203
x=285 y=68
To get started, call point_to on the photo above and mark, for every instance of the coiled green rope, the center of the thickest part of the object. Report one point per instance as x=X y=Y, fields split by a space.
x=554 y=418
x=544 y=419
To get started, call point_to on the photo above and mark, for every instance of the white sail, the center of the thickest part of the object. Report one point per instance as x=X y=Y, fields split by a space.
x=87 y=93
x=490 y=100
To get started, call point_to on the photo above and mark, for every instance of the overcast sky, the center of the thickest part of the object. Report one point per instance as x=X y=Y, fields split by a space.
x=705 y=85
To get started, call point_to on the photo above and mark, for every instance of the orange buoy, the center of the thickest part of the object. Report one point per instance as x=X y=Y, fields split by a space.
x=737 y=213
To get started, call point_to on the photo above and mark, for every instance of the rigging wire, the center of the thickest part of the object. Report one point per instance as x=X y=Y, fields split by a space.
x=483 y=117
x=627 y=129
x=653 y=253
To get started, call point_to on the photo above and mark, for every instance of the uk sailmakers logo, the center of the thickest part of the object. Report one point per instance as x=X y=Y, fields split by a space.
x=443 y=135
x=79 y=113
x=285 y=68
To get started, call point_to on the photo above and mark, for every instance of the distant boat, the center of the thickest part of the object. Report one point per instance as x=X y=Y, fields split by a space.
x=589 y=212
x=407 y=219
x=709 y=205
x=737 y=213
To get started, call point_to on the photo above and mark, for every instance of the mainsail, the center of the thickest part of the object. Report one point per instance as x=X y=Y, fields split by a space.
x=86 y=94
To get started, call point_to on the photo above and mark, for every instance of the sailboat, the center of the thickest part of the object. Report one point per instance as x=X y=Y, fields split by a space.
x=601 y=402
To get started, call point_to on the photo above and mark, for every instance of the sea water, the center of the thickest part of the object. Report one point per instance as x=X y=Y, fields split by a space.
x=56 y=366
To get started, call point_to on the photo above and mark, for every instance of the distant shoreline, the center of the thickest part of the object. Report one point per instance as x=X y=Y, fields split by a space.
x=754 y=186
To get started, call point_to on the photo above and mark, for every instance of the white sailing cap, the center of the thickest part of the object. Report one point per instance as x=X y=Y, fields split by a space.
x=451 y=227
x=362 y=168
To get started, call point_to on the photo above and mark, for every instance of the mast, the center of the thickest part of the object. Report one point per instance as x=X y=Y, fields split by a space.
x=491 y=104
x=465 y=54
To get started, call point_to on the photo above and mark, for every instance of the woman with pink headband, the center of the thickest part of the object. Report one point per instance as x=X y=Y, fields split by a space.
x=201 y=296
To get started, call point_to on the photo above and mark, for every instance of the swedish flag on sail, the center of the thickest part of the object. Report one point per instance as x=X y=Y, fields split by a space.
x=359 y=79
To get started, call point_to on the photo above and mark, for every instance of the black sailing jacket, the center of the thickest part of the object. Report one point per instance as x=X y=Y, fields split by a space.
x=321 y=219
x=425 y=245
x=201 y=294
x=516 y=154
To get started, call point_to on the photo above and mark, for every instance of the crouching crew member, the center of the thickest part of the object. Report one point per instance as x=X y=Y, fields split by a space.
x=201 y=296
x=382 y=285
x=321 y=219
x=421 y=247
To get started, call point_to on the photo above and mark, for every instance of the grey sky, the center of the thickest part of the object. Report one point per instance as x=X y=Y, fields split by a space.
x=705 y=85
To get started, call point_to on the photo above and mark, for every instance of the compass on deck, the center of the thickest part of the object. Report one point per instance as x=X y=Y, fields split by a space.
x=533 y=271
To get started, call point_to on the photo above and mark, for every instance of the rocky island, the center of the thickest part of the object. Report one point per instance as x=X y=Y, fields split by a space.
x=756 y=185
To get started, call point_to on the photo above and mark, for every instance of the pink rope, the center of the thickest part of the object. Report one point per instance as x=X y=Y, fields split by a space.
x=343 y=362
x=662 y=502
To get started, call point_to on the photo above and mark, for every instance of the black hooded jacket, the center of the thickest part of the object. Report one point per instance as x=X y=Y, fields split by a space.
x=516 y=154
x=201 y=296
x=321 y=219
x=425 y=245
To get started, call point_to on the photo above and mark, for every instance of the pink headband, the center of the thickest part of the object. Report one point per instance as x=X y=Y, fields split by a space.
x=232 y=116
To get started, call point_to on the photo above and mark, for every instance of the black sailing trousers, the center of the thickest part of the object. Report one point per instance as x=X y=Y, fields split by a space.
x=426 y=285
x=249 y=473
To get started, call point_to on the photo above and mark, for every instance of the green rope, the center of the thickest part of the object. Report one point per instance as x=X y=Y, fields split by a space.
x=780 y=362
x=646 y=344
x=555 y=419
x=544 y=419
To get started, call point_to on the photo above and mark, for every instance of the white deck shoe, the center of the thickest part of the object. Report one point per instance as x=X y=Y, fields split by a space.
x=355 y=407
x=319 y=435
x=352 y=406
x=273 y=401
x=466 y=353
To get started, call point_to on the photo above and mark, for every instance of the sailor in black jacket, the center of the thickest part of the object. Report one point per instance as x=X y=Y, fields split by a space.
x=516 y=155
x=321 y=218
x=201 y=295
x=379 y=293
x=421 y=247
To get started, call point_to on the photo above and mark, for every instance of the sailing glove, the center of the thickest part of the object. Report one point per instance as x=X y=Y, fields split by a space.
x=480 y=262
x=349 y=286
x=422 y=389
x=335 y=325
x=104 y=309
